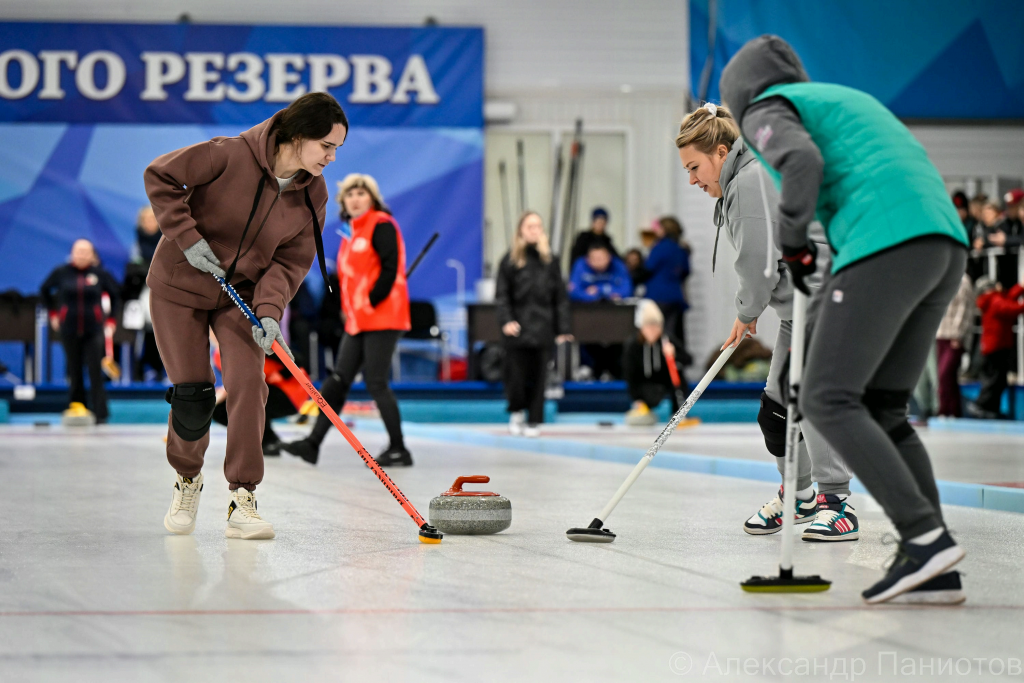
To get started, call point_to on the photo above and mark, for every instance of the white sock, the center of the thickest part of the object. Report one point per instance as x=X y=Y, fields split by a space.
x=928 y=538
x=805 y=494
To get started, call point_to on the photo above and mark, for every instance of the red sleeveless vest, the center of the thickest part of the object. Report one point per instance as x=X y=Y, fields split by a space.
x=358 y=270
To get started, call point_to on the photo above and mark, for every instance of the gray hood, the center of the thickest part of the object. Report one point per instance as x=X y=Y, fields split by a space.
x=760 y=64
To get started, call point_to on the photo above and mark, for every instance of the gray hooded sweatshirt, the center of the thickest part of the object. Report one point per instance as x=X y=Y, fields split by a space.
x=761 y=63
x=740 y=212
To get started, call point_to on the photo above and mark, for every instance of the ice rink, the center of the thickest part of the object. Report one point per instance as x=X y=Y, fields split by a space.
x=92 y=588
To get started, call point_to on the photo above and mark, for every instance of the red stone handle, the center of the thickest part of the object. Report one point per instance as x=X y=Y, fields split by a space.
x=456 y=489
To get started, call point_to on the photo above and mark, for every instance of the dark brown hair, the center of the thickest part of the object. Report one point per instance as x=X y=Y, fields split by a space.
x=310 y=117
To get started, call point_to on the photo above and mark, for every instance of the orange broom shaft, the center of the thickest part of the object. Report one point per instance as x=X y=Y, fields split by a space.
x=304 y=380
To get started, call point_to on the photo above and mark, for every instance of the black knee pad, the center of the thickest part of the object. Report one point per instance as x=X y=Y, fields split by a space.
x=772 y=420
x=891 y=404
x=192 y=407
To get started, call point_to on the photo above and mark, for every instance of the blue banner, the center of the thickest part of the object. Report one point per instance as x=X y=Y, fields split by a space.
x=105 y=100
x=184 y=73
x=940 y=59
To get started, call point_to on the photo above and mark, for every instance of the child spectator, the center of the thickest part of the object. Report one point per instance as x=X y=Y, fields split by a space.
x=999 y=311
x=645 y=361
x=953 y=332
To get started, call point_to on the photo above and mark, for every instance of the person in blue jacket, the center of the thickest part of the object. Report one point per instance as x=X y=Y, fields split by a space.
x=669 y=266
x=599 y=276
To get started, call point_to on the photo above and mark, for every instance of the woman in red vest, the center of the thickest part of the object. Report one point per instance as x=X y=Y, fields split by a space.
x=375 y=304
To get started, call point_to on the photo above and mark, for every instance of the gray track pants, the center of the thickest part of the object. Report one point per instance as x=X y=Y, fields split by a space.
x=816 y=460
x=876 y=325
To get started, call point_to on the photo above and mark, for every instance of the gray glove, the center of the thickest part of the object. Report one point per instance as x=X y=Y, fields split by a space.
x=202 y=258
x=270 y=333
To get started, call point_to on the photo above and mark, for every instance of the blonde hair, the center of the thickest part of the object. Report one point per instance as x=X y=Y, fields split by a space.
x=354 y=180
x=518 y=252
x=707 y=128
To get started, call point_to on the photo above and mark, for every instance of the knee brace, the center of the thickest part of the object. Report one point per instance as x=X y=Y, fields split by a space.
x=887 y=406
x=192 y=407
x=772 y=420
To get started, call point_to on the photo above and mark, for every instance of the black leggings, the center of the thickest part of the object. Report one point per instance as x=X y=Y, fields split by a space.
x=278 y=405
x=86 y=350
x=526 y=374
x=371 y=351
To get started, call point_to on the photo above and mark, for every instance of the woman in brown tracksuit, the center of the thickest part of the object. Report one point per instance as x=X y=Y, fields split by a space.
x=257 y=202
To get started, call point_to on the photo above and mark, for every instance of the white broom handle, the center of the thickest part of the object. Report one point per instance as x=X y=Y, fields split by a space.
x=669 y=428
x=796 y=367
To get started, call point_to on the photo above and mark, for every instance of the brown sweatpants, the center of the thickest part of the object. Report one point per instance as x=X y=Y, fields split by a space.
x=183 y=338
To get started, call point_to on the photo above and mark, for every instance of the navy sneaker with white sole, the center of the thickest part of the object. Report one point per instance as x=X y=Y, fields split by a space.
x=835 y=520
x=914 y=565
x=768 y=520
x=944 y=589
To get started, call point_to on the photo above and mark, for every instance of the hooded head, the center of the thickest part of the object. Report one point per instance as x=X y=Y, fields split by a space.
x=760 y=64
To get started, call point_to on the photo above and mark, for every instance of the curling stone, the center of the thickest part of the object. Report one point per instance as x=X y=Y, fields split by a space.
x=77 y=415
x=470 y=512
x=640 y=415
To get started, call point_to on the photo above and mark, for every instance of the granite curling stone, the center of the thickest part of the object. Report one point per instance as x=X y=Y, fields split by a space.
x=470 y=512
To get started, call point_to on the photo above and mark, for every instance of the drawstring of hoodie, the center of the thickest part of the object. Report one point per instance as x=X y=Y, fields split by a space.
x=652 y=361
x=772 y=260
x=317 y=237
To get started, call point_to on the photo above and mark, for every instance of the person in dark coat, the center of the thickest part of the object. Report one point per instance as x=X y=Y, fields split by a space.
x=533 y=312
x=597 y=235
x=147 y=237
x=73 y=295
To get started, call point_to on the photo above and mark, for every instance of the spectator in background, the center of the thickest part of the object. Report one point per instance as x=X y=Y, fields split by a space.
x=597 y=234
x=645 y=362
x=1014 y=200
x=963 y=210
x=147 y=235
x=533 y=312
x=74 y=296
x=998 y=231
x=953 y=333
x=136 y=295
x=999 y=311
x=600 y=277
x=669 y=266
x=634 y=260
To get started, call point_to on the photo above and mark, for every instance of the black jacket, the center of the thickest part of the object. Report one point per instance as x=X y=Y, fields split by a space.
x=644 y=363
x=75 y=296
x=534 y=296
x=585 y=240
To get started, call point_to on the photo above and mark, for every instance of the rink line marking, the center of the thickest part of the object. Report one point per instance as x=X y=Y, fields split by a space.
x=496 y=610
x=962 y=494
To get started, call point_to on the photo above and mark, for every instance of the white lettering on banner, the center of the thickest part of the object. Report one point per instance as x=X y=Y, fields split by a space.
x=162 y=68
x=200 y=77
x=372 y=80
x=281 y=77
x=85 y=75
x=216 y=76
x=327 y=71
x=250 y=76
x=415 y=77
x=52 y=59
x=29 y=74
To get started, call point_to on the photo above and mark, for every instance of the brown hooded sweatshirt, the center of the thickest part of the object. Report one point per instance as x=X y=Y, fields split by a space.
x=207 y=191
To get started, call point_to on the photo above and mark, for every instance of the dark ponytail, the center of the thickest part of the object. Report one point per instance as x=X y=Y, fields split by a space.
x=310 y=117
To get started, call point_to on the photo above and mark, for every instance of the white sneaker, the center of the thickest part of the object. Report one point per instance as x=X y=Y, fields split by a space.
x=243 y=520
x=531 y=431
x=768 y=520
x=181 y=516
x=516 y=422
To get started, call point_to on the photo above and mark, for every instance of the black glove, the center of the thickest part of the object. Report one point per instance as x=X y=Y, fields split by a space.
x=802 y=262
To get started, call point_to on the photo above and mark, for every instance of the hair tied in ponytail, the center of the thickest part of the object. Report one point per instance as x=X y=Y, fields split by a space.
x=712 y=108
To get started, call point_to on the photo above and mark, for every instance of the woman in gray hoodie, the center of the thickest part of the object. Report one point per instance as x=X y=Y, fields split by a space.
x=719 y=163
